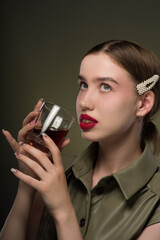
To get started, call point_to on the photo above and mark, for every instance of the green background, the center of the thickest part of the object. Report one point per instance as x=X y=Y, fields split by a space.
x=43 y=43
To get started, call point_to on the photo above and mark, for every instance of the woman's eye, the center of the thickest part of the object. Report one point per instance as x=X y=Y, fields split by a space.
x=83 y=85
x=105 y=88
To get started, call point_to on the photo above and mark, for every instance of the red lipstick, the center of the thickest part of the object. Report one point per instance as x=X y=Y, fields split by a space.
x=87 y=122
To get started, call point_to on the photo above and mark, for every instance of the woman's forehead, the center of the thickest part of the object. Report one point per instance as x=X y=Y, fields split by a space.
x=101 y=65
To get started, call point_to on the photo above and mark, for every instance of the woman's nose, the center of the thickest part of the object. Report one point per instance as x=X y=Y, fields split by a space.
x=87 y=101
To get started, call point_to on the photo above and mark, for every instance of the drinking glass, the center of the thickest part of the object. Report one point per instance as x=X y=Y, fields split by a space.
x=53 y=120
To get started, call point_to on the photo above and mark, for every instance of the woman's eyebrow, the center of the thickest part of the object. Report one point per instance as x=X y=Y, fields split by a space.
x=80 y=77
x=107 y=79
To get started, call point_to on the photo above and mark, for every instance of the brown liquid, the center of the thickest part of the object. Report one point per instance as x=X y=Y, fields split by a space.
x=35 y=139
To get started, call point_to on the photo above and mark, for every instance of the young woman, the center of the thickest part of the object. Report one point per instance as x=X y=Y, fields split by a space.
x=112 y=190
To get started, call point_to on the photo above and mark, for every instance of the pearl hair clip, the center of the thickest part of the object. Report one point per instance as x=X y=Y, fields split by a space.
x=147 y=84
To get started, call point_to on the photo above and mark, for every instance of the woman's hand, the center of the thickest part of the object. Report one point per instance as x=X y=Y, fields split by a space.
x=50 y=180
x=28 y=124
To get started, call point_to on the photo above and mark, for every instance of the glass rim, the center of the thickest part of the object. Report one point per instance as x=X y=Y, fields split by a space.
x=43 y=104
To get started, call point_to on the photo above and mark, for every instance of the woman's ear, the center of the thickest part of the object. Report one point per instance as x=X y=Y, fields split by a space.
x=145 y=104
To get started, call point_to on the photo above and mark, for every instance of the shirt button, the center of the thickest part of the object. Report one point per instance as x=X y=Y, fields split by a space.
x=100 y=190
x=82 y=222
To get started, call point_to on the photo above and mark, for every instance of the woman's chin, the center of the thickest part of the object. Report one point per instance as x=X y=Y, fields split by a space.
x=86 y=135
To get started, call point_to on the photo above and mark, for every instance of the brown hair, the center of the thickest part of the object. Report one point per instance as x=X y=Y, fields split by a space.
x=141 y=64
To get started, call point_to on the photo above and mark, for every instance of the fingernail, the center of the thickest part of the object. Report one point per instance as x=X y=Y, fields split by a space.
x=3 y=130
x=31 y=122
x=17 y=154
x=13 y=170
x=37 y=110
x=44 y=135
x=41 y=99
x=22 y=144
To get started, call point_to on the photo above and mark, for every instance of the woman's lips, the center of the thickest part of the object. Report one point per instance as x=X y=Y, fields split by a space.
x=87 y=122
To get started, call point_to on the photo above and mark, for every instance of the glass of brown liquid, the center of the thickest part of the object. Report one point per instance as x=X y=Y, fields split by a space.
x=53 y=120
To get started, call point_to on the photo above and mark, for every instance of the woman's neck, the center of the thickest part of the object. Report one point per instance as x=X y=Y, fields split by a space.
x=113 y=157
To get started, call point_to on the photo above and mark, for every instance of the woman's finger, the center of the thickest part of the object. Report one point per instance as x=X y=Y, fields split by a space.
x=38 y=155
x=56 y=155
x=22 y=135
x=13 y=143
x=33 y=165
x=31 y=116
x=65 y=143
x=39 y=103
x=27 y=179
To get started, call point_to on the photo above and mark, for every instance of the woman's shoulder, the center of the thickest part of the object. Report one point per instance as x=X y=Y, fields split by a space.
x=154 y=183
x=154 y=187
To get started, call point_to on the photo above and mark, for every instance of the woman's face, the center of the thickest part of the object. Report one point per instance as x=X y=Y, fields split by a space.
x=107 y=102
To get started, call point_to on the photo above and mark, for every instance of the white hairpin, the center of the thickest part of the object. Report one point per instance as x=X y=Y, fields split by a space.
x=147 y=84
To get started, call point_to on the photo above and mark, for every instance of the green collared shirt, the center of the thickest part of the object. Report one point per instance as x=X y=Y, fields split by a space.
x=120 y=206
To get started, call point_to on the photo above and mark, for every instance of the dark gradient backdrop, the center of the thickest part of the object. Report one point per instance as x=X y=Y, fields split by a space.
x=43 y=43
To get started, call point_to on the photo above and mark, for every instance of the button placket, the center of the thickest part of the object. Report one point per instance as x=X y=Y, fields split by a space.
x=100 y=190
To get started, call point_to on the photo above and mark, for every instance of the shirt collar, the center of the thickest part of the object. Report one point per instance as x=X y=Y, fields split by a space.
x=85 y=161
x=130 y=179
